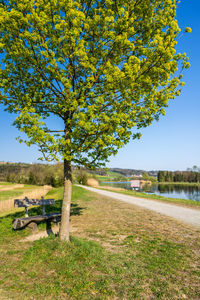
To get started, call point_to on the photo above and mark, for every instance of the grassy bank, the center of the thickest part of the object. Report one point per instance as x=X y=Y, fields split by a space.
x=117 y=251
x=181 y=183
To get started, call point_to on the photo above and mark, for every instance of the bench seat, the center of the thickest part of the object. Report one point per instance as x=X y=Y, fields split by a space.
x=19 y=223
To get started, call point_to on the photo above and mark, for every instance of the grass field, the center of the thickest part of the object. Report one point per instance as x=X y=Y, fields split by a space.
x=110 y=176
x=181 y=183
x=3 y=183
x=8 y=194
x=117 y=251
x=4 y=195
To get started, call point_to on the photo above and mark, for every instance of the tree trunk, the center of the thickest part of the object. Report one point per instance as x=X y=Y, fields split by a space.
x=64 y=228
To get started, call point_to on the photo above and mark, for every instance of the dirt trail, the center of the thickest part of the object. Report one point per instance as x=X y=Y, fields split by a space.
x=186 y=215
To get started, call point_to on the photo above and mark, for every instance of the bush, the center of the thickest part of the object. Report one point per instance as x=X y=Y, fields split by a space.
x=82 y=177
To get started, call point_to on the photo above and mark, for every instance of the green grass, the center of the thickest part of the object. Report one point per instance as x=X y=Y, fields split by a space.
x=4 y=195
x=113 y=174
x=83 y=269
x=181 y=183
x=116 y=252
x=190 y=203
x=107 y=178
x=103 y=178
x=110 y=176
x=7 y=183
x=9 y=194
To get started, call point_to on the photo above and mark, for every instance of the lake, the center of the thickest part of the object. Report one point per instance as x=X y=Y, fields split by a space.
x=189 y=192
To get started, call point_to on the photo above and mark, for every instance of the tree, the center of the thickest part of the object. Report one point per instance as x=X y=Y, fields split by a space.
x=161 y=176
x=82 y=177
x=32 y=178
x=195 y=169
x=146 y=176
x=103 y=67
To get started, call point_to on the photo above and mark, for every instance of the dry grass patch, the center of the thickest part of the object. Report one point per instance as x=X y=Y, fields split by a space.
x=111 y=218
x=92 y=182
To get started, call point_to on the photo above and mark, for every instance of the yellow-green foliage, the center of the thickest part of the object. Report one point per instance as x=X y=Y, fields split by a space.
x=103 y=67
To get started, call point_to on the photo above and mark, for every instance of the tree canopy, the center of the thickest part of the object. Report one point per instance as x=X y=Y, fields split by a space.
x=103 y=67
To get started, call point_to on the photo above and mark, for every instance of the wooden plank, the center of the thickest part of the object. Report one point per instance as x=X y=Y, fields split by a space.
x=29 y=202
x=23 y=222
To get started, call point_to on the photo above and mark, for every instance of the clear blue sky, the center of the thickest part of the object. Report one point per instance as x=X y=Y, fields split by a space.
x=173 y=143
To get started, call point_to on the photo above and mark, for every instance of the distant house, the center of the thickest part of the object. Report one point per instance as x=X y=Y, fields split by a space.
x=135 y=184
x=136 y=176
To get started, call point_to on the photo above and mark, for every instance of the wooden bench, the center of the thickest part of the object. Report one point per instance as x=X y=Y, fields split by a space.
x=32 y=221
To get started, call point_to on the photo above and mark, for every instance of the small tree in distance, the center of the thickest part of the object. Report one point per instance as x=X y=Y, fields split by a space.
x=103 y=67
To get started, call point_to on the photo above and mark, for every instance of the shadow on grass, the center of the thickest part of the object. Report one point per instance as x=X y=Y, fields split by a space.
x=76 y=210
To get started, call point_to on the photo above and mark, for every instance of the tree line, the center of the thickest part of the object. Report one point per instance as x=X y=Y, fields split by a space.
x=42 y=174
x=178 y=176
x=37 y=174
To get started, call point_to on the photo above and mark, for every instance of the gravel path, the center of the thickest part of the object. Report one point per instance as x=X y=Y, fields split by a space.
x=187 y=215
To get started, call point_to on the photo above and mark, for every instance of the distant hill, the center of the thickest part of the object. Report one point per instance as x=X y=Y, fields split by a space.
x=23 y=172
x=133 y=172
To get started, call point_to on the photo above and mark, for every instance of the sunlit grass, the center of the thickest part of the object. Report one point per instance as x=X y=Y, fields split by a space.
x=15 y=192
x=117 y=251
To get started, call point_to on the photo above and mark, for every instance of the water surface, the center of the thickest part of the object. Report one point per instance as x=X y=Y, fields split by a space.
x=188 y=192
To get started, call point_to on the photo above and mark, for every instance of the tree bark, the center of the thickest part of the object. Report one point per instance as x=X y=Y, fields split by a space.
x=64 y=228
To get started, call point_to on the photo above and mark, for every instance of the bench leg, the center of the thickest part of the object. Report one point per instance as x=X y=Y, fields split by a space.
x=48 y=227
x=33 y=226
x=43 y=210
x=26 y=211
